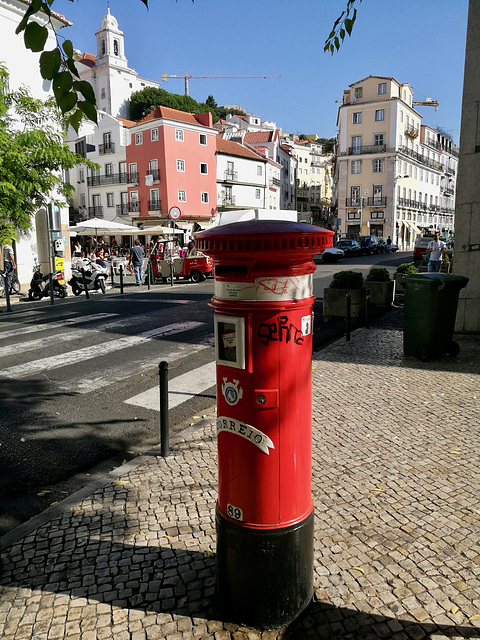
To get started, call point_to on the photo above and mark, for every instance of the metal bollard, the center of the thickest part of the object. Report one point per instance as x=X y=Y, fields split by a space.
x=6 y=284
x=347 y=317
x=149 y=275
x=121 y=278
x=50 y=282
x=85 y=284
x=367 y=308
x=112 y=275
x=171 y=274
x=164 y=426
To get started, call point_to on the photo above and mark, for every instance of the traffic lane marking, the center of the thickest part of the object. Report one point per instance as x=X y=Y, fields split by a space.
x=180 y=389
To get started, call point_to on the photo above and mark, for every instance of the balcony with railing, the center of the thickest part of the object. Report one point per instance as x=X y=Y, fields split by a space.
x=354 y=202
x=431 y=142
x=95 y=212
x=275 y=182
x=371 y=148
x=154 y=205
x=128 y=207
x=155 y=173
x=109 y=147
x=377 y=201
x=111 y=178
x=421 y=158
x=411 y=131
x=228 y=201
x=230 y=176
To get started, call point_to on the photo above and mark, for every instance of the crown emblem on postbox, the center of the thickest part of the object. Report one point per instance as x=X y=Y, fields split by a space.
x=231 y=391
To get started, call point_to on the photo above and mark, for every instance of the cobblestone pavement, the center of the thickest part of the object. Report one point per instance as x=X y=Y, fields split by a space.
x=396 y=488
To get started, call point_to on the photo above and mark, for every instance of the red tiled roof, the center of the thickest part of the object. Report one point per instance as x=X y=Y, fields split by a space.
x=170 y=114
x=126 y=123
x=253 y=137
x=88 y=59
x=234 y=149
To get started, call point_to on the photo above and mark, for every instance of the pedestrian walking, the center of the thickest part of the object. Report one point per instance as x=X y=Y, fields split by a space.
x=8 y=258
x=436 y=253
x=136 y=259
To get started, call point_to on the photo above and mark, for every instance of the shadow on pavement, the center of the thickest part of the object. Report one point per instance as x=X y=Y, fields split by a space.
x=180 y=582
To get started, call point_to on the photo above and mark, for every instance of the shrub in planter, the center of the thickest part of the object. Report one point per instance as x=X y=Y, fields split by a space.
x=347 y=280
x=381 y=287
x=378 y=274
x=403 y=270
x=334 y=296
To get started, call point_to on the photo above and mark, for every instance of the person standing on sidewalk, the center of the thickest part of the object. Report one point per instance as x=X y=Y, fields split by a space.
x=136 y=259
x=8 y=258
x=436 y=249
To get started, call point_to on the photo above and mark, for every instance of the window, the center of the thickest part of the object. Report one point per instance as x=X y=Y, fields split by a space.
x=154 y=199
x=379 y=114
x=355 y=196
x=400 y=141
x=154 y=134
x=358 y=92
x=82 y=199
x=259 y=170
x=81 y=175
x=204 y=168
x=416 y=172
x=132 y=169
x=139 y=138
x=203 y=139
x=356 y=166
x=109 y=169
x=180 y=165
x=110 y=200
x=378 y=165
x=378 y=139
x=182 y=195
x=382 y=88
x=103 y=93
x=258 y=193
x=179 y=135
x=357 y=117
x=356 y=144
x=204 y=197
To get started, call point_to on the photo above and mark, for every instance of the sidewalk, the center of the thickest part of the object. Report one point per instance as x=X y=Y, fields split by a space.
x=396 y=489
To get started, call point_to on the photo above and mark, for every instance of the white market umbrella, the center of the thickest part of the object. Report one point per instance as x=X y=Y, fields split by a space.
x=158 y=230
x=97 y=226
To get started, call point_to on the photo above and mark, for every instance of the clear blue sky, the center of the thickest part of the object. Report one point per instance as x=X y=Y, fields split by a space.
x=420 y=42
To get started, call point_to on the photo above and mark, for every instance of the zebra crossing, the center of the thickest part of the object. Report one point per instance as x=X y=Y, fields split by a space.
x=95 y=364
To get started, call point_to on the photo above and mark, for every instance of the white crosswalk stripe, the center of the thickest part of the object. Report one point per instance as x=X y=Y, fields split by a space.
x=95 y=351
x=180 y=389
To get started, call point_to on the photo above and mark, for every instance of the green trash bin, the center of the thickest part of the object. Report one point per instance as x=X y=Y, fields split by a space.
x=430 y=308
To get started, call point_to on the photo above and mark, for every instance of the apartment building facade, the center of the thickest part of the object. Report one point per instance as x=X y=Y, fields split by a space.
x=389 y=167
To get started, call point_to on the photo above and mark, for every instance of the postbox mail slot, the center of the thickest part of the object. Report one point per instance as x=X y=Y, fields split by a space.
x=230 y=341
x=266 y=398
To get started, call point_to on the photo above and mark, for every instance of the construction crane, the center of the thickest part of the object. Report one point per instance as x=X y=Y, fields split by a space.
x=186 y=77
x=428 y=102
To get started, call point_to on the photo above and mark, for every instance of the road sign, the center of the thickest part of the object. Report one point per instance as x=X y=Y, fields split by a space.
x=174 y=213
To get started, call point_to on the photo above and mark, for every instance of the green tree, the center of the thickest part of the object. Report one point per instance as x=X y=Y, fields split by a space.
x=33 y=153
x=145 y=101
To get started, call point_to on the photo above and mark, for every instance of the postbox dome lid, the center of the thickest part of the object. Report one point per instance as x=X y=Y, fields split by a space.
x=254 y=238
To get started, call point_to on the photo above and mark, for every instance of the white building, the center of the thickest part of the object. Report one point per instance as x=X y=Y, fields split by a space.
x=23 y=68
x=102 y=193
x=113 y=81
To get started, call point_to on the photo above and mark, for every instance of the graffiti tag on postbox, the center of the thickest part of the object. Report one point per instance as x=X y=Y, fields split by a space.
x=255 y=436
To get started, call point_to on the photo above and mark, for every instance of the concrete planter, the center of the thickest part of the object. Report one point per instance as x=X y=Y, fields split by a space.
x=335 y=302
x=381 y=293
x=399 y=282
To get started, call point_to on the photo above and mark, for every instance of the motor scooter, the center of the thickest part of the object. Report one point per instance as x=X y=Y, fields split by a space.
x=95 y=276
x=40 y=284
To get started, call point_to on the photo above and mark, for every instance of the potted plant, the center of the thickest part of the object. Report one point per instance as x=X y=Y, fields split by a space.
x=334 y=296
x=404 y=269
x=381 y=286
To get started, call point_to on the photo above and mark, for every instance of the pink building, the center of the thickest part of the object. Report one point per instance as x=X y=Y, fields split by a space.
x=172 y=155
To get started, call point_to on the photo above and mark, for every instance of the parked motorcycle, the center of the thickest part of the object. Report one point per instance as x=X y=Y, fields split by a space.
x=40 y=284
x=95 y=276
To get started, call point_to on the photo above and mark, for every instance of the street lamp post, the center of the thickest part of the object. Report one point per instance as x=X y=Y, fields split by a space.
x=394 y=209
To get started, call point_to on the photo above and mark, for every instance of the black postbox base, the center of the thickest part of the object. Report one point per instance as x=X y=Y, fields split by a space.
x=264 y=577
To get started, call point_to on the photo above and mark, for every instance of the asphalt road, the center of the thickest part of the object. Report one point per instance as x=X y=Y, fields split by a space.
x=78 y=381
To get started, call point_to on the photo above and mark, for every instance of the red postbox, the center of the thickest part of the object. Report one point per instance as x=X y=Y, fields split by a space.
x=263 y=304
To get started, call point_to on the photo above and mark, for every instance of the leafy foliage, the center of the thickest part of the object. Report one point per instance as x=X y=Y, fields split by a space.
x=33 y=154
x=406 y=267
x=145 y=101
x=343 y=25
x=347 y=280
x=378 y=274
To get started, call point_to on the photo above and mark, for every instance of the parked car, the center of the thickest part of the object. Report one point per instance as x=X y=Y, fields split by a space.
x=350 y=248
x=368 y=245
x=382 y=245
x=333 y=254
x=392 y=247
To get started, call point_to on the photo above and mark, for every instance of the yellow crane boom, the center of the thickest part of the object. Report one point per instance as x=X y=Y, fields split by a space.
x=428 y=102
x=186 y=77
